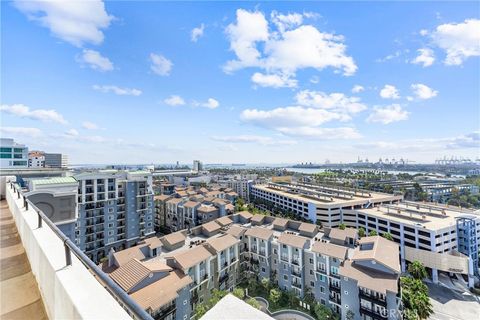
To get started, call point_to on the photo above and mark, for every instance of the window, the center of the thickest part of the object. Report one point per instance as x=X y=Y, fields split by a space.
x=110 y=225
x=110 y=217
x=263 y=269
x=322 y=289
x=311 y=272
x=312 y=284
x=275 y=251
x=110 y=210
x=285 y=277
x=311 y=261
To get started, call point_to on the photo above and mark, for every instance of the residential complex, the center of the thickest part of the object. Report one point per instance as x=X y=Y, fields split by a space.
x=36 y=159
x=170 y=275
x=13 y=155
x=442 y=237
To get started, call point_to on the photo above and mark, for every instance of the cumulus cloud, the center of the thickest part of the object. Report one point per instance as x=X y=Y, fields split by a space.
x=337 y=102
x=76 y=22
x=22 y=131
x=253 y=139
x=284 y=46
x=211 y=103
x=90 y=125
x=389 y=92
x=470 y=140
x=72 y=133
x=197 y=33
x=273 y=80
x=423 y=92
x=459 y=40
x=357 y=88
x=118 y=90
x=425 y=57
x=160 y=65
x=322 y=133
x=174 y=100
x=95 y=60
x=388 y=114
x=23 y=111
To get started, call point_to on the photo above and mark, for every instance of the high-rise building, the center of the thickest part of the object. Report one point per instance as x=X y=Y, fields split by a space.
x=197 y=165
x=12 y=154
x=56 y=160
x=36 y=159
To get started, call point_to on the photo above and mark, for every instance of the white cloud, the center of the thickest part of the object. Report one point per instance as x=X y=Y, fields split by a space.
x=288 y=47
x=389 y=92
x=314 y=80
x=174 y=100
x=423 y=92
x=425 y=57
x=391 y=56
x=76 y=22
x=23 y=111
x=470 y=140
x=322 y=133
x=160 y=65
x=95 y=60
x=388 y=114
x=117 y=90
x=197 y=33
x=337 y=102
x=211 y=103
x=72 y=133
x=357 y=88
x=90 y=125
x=22 y=131
x=273 y=80
x=253 y=139
x=459 y=40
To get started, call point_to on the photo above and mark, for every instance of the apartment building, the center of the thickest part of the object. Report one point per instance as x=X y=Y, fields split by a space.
x=318 y=203
x=115 y=209
x=240 y=186
x=36 y=159
x=13 y=155
x=331 y=264
x=444 y=238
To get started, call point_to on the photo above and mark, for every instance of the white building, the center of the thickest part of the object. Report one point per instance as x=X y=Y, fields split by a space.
x=36 y=159
x=197 y=165
x=12 y=154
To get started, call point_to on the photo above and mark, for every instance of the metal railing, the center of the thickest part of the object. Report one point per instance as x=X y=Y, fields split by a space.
x=132 y=308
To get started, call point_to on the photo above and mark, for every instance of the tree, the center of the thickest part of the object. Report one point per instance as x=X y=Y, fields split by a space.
x=350 y=315
x=239 y=293
x=342 y=226
x=415 y=299
x=322 y=312
x=387 y=236
x=373 y=233
x=254 y=303
x=417 y=270
x=266 y=284
x=361 y=232
x=275 y=295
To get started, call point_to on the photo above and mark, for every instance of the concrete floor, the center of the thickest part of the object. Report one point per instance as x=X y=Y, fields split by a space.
x=19 y=294
x=451 y=304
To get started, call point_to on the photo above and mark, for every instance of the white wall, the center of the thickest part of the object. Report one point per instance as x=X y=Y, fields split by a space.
x=68 y=292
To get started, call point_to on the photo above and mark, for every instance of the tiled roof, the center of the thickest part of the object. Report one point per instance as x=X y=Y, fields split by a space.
x=281 y=222
x=236 y=231
x=246 y=215
x=329 y=249
x=383 y=251
x=224 y=221
x=258 y=232
x=189 y=258
x=308 y=227
x=124 y=256
x=211 y=226
x=369 y=278
x=342 y=235
x=258 y=218
x=173 y=238
x=130 y=274
x=292 y=240
x=223 y=242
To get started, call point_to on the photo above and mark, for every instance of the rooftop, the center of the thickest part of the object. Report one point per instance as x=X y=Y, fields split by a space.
x=232 y=308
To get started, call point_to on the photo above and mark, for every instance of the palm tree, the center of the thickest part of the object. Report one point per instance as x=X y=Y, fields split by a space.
x=417 y=270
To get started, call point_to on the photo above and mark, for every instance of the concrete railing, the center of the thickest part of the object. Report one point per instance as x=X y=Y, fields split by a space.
x=68 y=291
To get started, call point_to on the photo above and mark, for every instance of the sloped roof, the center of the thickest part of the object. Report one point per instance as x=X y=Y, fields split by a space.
x=307 y=227
x=173 y=238
x=258 y=232
x=223 y=242
x=330 y=249
x=280 y=222
x=130 y=274
x=258 y=218
x=191 y=257
x=224 y=221
x=370 y=278
x=211 y=226
x=124 y=256
x=292 y=240
x=236 y=231
x=383 y=251
x=342 y=235
x=246 y=215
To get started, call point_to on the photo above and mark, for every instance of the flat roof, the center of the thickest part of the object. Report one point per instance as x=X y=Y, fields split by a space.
x=55 y=180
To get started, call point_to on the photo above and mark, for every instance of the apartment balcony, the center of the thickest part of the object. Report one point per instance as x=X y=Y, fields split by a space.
x=321 y=270
x=223 y=278
x=335 y=288
x=373 y=313
x=373 y=297
x=297 y=284
x=296 y=262
x=296 y=273
x=335 y=299
x=45 y=275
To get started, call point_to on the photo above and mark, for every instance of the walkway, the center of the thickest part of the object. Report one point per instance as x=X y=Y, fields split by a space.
x=20 y=297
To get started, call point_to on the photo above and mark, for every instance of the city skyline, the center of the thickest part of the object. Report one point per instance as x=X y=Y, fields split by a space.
x=252 y=83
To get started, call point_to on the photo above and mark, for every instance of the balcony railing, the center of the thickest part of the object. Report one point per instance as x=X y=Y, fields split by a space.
x=296 y=284
x=80 y=266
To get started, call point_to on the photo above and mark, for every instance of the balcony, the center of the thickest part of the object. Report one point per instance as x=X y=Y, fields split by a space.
x=296 y=284
x=296 y=262
x=296 y=273
x=223 y=278
x=373 y=297
x=374 y=314
x=336 y=299
x=49 y=252
x=334 y=287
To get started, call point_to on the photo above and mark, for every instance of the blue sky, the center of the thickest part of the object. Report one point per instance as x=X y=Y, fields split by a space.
x=255 y=82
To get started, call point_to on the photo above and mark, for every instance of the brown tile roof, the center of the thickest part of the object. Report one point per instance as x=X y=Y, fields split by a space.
x=156 y=266
x=124 y=256
x=230 y=207
x=191 y=204
x=206 y=209
x=182 y=193
x=175 y=201
x=189 y=258
x=258 y=232
x=236 y=231
x=224 y=221
x=246 y=215
x=369 y=278
x=153 y=242
x=173 y=238
x=232 y=193
x=223 y=242
x=203 y=190
x=330 y=249
x=130 y=274
x=161 y=292
x=162 y=197
x=280 y=222
x=383 y=251
x=258 y=218
x=211 y=226
x=342 y=235
x=292 y=240
x=308 y=227
x=219 y=201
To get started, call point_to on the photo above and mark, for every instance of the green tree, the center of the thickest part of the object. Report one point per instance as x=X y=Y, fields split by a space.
x=275 y=295
x=342 y=226
x=239 y=293
x=254 y=303
x=322 y=312
x=387 y=236
x=361 y=232
x=200 y=310
x=417 y=270
x=265 y=284
x=415 y=299
x=373 y=233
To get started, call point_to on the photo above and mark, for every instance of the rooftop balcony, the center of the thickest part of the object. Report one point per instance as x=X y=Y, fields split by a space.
x=45 y=275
